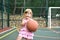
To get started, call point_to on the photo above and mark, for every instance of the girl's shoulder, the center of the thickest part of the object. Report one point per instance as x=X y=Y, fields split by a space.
x=25 y=19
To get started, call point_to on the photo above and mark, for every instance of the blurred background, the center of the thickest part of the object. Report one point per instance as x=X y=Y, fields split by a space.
x=12 y=10
x=45 y=12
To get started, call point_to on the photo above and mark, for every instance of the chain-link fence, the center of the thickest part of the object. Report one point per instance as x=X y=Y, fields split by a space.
x=11 y=10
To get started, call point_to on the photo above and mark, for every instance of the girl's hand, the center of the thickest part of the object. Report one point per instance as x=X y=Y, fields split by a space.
x=23 y=23
x=18 y=29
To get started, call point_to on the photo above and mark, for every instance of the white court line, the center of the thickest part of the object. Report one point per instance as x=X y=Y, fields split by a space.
x=7 y=34
x=54 y=31
x=44 y=31
x=47 y=37
x=7 y=30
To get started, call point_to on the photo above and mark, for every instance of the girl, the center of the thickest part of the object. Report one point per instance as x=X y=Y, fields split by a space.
x=24 y=33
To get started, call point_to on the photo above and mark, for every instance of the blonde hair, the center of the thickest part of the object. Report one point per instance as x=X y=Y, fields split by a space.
x=27 y=10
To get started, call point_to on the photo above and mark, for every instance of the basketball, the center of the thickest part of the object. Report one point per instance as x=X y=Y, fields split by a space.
x=32 y=25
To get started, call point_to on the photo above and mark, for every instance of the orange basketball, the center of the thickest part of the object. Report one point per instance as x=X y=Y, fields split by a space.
x=32 y=25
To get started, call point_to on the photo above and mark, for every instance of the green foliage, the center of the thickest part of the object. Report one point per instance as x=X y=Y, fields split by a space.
x=54 y=3
x=10 y=5
x=1 y=6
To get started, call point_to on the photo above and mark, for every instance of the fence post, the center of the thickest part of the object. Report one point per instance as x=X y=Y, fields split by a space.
x=46 y=13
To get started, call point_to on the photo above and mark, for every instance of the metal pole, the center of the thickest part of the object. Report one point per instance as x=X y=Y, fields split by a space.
x=24 y=4
x=3 y=5
x=14 y=7
x=2 y=9
x=46 y=12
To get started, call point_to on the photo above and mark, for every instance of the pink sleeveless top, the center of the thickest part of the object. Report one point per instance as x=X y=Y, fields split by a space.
x=24 y=31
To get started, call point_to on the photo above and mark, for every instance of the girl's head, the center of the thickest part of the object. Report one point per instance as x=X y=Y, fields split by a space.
x=28 y=13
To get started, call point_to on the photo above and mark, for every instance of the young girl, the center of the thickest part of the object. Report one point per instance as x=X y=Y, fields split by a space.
x=24 y=33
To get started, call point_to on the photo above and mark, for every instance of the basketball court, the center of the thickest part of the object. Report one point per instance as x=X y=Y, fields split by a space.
x=40 y=34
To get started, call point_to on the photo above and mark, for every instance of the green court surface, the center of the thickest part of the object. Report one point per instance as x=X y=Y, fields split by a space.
x=40 y=34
